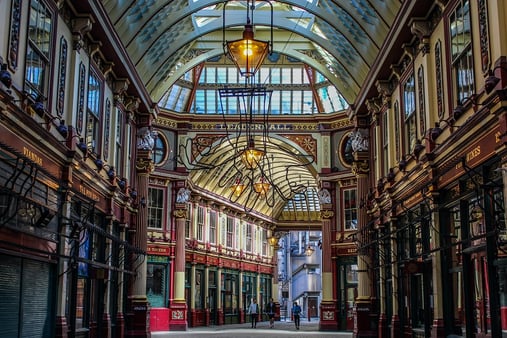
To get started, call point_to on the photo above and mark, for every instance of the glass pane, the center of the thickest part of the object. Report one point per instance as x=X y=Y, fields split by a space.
x=156 y=284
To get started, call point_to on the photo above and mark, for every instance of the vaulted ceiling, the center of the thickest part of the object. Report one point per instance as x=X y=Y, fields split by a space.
x=339 y=38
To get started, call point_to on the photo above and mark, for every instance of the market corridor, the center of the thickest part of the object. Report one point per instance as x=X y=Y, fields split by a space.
x=281 y=329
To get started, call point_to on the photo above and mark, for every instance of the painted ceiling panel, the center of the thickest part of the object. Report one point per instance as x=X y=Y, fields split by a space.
x=159 y=33
x=338 y=38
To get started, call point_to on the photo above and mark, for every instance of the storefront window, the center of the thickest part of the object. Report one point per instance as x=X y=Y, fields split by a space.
x=80 y=303
x=156 y=282
x=199 y=290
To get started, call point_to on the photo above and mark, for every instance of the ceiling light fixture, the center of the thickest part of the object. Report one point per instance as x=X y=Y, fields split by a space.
x=247 y=53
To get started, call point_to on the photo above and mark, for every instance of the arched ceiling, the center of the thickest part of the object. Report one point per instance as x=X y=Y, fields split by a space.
x=339 y=38
x=289 y=170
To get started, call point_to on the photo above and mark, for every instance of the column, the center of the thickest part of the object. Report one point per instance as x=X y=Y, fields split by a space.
x=437 y=329
x=193 y=314
x=220 y=310
x=106 y=316
x=178 y=307
x=206 y=295
x=395 y=320
x=275 y=292
x=328 y=305
x=63 y=266
x=382 y=321
x=138 y=324
x=363 y=321
x=120 y=319
x=240 y=300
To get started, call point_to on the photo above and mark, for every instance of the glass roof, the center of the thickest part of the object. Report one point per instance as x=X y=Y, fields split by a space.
x=340 y=39
x=294 y=98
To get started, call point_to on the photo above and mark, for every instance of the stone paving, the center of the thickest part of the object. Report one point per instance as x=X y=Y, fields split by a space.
x=281 y=329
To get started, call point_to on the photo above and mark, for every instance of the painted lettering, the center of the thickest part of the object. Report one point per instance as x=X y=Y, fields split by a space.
x=473 y=153
x=32 y=156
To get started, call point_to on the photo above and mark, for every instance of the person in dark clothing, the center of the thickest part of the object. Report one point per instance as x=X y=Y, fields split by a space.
x=296 y=312
x=271 y=310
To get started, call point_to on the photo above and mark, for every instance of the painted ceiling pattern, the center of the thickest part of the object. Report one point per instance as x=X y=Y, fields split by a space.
x=339 y=38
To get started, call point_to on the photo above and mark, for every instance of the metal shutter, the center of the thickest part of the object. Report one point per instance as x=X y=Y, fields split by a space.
x=10 y=272
x=38 y=314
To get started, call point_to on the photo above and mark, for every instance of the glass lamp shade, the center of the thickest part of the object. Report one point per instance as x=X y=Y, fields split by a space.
x=248 y=54
x=273 y=241
x=237 y=188
x=251 y=157
x=309 y=250
x=262 y=187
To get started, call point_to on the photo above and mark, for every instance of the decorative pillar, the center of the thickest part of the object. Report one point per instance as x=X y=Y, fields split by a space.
x=382 y=320
x=275 y=294
x=437 y=329
x=120 y=319
x=220 y=309
x=106 y=316
x=193 y=314
x=365 y=321
x=206 y=295
x=328 y=305
x=178 y=312
x=63 y=265
x=242 y=318
x=395 y=319
x=138 y=324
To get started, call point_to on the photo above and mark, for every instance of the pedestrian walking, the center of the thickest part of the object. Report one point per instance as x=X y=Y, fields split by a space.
x=271 y=310
x=296 y=312
x=253 y=310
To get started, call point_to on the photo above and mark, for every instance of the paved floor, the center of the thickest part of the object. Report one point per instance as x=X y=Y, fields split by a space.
x=281 y=329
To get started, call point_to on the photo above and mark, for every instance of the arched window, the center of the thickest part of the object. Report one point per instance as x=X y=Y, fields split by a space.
x=159 y=150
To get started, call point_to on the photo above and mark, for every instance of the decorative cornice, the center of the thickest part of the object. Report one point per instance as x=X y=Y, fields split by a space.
x=165 y=122
x=360 y=167
x=422 y=28
x=81 y=26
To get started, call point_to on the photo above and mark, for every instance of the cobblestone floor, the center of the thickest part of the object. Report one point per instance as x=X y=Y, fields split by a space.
x=281 y=329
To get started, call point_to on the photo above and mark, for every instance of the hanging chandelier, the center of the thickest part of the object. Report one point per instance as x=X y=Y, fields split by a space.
x=247 y=53
x=241 y=161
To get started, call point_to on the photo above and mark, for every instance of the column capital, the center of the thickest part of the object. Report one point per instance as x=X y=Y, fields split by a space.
x=180 y=213
x=361 y=167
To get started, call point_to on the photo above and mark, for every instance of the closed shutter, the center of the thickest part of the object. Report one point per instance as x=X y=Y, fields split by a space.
x=37 y=295
x=10 y=272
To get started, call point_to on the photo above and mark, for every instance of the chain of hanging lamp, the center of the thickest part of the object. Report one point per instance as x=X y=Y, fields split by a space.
x=249 y=170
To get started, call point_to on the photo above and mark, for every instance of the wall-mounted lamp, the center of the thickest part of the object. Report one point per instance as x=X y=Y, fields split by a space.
x=435 y=132
x=122 y=183
x=492 y=80
x=83 y=146
x=111 y=174
x=380 y=185
x=38 y=106
x=63 y=129
x=99 y=164
x=5 y=76
x=402 y=164
x=418 y=148
x=391 y=176
x=142 y=202
x=309 y=250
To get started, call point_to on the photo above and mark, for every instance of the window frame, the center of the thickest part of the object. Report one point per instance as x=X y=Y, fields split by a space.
x=157 y=208
x=93 y=127
x=39 y=91
x=349 y=212
x=461 y=60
